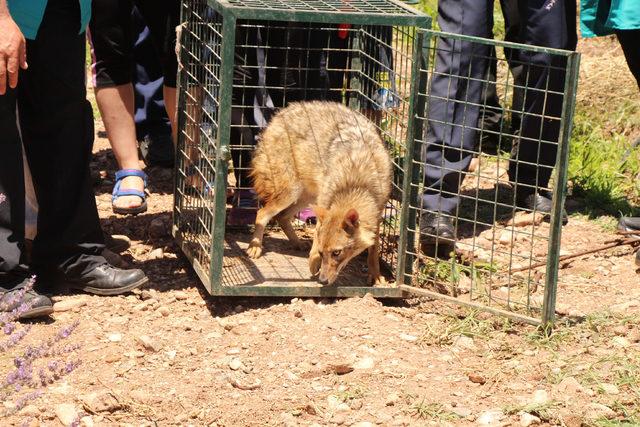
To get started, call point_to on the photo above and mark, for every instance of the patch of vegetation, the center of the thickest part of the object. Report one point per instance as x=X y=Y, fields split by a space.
x=351 y=393
x=547 y=338
x=432 y=412
x=544 y=411
x=454 y=326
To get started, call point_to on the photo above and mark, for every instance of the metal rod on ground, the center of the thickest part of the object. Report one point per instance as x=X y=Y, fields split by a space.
x=508 y=314
x=581 y=253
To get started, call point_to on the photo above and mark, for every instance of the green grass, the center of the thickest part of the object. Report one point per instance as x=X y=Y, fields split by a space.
x=432 y=412
x=544 y=411
x=453 y=326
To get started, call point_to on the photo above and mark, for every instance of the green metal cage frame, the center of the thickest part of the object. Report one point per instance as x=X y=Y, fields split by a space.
x=231 y=11
x=294 y=11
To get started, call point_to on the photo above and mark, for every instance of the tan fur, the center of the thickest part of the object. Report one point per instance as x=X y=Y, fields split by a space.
x=325 y=154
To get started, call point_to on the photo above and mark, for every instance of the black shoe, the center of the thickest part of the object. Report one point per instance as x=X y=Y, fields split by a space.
x=539 y=202
x=629 y=223
x=437 y=235
x=157 y=150
x=39 y=305
x=107 y=280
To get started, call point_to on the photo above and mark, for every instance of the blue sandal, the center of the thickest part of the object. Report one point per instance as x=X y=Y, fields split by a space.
x=118 y=192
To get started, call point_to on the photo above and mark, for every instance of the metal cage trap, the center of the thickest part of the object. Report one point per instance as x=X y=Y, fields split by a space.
x=462 y=148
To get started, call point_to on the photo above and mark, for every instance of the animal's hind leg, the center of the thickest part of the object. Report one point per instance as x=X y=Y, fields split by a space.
x=264 y=215
x=284 y=219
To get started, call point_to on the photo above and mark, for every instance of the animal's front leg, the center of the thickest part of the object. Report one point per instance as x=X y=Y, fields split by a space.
x=315 y=260
x=373 y=262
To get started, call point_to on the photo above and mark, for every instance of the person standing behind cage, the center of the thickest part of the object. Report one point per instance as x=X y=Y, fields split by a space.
x=622 y=17
x=455 y=94
x=153 y=127
x=112 y=44
x=42 y=82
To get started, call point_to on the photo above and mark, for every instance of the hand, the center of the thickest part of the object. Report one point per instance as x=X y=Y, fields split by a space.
x=13 y=53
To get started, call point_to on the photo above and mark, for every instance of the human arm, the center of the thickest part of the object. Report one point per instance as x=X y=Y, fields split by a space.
x=13 y=49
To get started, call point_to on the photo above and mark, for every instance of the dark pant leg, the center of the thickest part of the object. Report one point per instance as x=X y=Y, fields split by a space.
x=151 y=116
x=548 y=24
x=162 y=17
x=57 y=129
x=111 y=42
x=491 y=111
x=630 y=42
x=455 y=92
x=11 y=192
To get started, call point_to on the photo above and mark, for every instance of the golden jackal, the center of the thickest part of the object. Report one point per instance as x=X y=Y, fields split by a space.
x=326 y=155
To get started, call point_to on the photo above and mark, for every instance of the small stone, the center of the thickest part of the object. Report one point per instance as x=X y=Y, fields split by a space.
x=620 y=342
x=568 y=386
x=341 y=368
x=505 y=237
x=392 y=399
x=489 y=418
x=69 y=304
x=620 y=330
x=595 y=411
x=634 y=336
x=362 y=424
x=30 y=411
x=364 y=363
x=477 y=378
x=526 y=419
x=86 y=421
x=540 y=397
x=148 y=343
x=156 y=253
x=100 y=402
x=157 y=228
x=145 y=295
x=461 y=411
x=235 y=364
x=609 y=388
x=523 y=219
x=66 y=413
x=115 y=337
x=463 y=342
x=338 y=419
x=407 y=337
x=164 y=311
x=180 y=295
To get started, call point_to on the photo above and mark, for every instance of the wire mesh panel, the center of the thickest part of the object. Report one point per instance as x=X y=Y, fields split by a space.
x=489 y=167
x=198 y=121
x=242 y=62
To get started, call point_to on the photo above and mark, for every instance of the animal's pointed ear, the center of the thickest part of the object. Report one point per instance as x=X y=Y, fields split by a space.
x=351 y=221
x=320 y=212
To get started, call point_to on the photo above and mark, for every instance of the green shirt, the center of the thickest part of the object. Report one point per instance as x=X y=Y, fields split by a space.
x=28 y=15
x=602 y=17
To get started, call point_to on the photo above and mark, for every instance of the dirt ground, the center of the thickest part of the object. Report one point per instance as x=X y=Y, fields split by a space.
x=171 y=355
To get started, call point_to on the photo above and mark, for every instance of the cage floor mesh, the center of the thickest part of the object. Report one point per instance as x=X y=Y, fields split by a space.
x=350 y=6
x=280 y=264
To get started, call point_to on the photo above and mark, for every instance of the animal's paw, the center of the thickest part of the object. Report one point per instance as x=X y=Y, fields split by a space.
x=303 y=245
x=315 y=261
x=378 y=282
x=254 y=250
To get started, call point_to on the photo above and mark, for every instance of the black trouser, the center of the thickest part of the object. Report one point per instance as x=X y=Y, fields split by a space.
x=56 y=122
x=630 y=42
x=456 y=91
x=491 y=110
x=112 y=38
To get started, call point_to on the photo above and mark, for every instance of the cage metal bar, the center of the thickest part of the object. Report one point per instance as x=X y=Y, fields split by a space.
x=562 y=162
x=411 y=172
x=223 y=155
